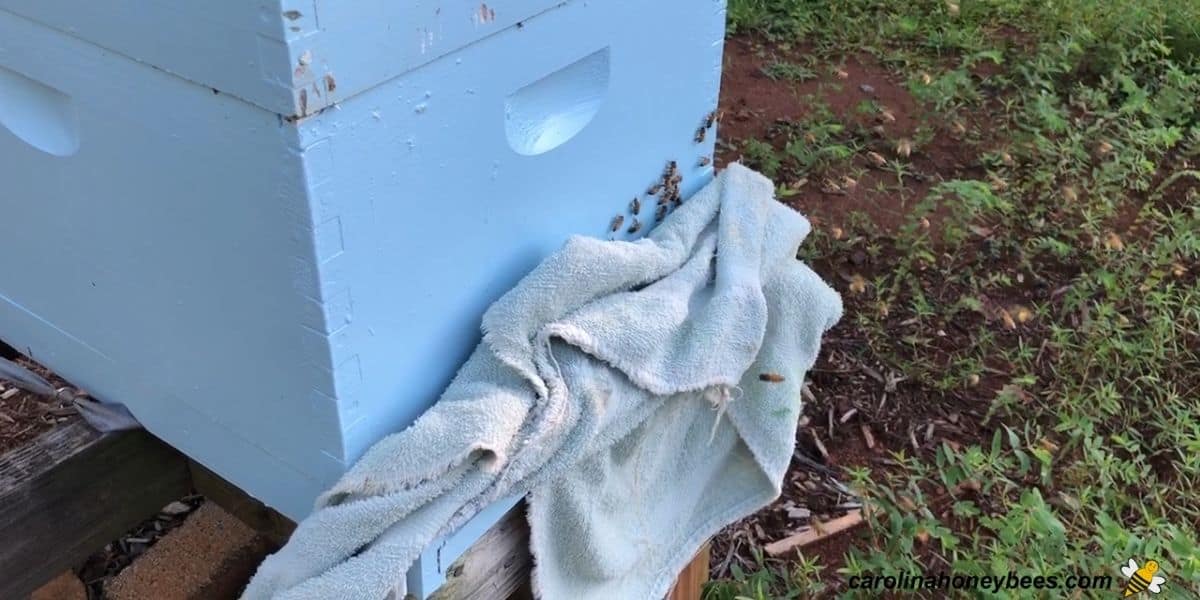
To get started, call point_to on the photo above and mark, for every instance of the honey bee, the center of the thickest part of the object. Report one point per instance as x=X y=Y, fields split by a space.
x=676 y=178
x=635 y=207
x=700 y=134
x=710 y=119
x=654 y=189
x=661 y=213
x=617 y=222
x=770 y=377
x=705 y=161
x=635 y=227
x=830 y=186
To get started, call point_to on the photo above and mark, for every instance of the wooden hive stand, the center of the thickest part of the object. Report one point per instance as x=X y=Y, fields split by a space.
x=72 y=490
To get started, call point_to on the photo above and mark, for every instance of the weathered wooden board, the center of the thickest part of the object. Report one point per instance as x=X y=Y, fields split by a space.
x=72 y=490
x=496 y=566
x=499 y=566
x=266 y=520
x=690 y=585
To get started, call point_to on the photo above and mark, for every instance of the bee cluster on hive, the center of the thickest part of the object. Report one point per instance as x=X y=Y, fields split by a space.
x=666 y=188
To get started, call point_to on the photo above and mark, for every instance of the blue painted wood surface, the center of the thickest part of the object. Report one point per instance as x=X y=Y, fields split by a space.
x=271 y=228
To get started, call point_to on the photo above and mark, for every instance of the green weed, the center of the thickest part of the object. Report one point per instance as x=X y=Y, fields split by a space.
x=1088 y=216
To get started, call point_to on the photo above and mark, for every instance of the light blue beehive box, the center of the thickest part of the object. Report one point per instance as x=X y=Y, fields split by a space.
x=270 y=228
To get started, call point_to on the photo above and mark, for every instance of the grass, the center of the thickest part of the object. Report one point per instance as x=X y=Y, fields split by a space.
x=1064 y=271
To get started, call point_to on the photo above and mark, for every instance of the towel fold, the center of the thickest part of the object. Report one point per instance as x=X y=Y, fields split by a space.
x=641 y=394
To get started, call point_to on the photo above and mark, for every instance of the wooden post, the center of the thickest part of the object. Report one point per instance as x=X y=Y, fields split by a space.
x=262 y=518
x=497 y=565
x=72 y=490
x=690 y=585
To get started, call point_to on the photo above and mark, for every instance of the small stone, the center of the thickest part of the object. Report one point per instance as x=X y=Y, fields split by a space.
x=867 y=88
x=799 y=514
x=176 y=508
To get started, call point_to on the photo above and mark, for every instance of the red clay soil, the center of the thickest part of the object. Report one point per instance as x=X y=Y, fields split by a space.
x=852 y=402
x=752 y=104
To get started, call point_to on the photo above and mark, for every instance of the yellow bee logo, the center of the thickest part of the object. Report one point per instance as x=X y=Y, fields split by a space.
x=1142 y=579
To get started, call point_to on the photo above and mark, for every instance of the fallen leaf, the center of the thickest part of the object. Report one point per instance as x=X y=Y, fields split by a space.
x=1113 y=242
x=970 y=485
x=1007 y=318
x=904 y=147
x=820 y=445
x=1022 y=314
x=876 y=158
x=1069 y=194
x=983 y=232
x=858 y=285
x=868 y=437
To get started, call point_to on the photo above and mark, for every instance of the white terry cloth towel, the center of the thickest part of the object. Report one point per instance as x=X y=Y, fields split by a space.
x=621 y=386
